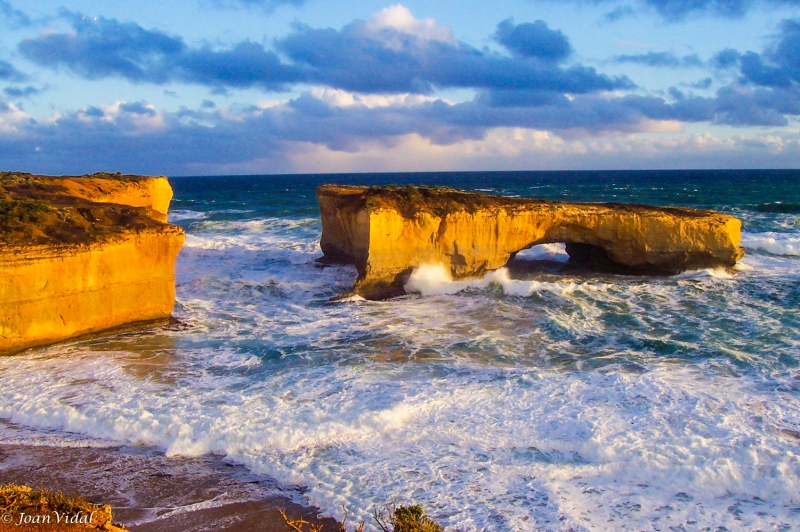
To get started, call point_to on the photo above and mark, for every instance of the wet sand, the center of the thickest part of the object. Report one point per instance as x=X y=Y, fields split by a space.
x=149 y=492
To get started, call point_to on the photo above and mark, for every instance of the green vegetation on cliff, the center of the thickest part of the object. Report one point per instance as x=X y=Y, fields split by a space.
x=38 y=210
x=410 y=200
x=440 y=201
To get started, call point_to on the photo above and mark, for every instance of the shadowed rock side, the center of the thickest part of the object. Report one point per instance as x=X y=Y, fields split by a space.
x=80 y=255
x=388 y=231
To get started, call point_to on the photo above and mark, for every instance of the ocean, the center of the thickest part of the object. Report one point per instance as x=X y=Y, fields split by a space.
x=544 y=397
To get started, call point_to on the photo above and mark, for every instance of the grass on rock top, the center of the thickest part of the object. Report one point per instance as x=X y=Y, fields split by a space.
x=440 y=201
x=411 y=200
x=37 y=210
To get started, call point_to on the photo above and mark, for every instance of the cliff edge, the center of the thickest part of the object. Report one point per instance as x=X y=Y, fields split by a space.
x=79 y=255
x=388 y=231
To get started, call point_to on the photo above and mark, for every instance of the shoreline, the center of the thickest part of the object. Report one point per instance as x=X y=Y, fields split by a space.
x=150 y=492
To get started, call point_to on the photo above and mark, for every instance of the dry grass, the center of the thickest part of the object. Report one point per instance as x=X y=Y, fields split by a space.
x=412 y=199
x=301 y=525
x=17 y=499
x=38 y=210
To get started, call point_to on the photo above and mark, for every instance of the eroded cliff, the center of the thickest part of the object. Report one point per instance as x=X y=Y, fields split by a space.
x=388 y=231
x=80 y=255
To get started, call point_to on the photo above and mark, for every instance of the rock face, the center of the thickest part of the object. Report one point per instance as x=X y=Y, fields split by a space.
x=136 y=191
x=388 y=231
x=79 y=255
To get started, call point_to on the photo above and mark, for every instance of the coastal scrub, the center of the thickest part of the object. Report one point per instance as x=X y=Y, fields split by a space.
x=23 y=506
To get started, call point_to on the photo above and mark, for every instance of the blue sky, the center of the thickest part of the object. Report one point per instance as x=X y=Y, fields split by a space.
x=196 y=87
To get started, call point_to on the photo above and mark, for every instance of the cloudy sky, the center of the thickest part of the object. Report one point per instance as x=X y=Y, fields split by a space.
x=193 y=87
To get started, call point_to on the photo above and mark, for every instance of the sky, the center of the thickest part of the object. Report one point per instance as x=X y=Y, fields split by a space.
x=213 y=87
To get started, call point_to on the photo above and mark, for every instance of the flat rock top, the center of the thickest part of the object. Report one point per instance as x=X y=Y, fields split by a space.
x=410 y=199
x=52 y=210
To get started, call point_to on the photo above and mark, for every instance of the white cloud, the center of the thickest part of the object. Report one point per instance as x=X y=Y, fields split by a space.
x=142 y=119
x=528 y=149
x=341 y=98
x=11 y=118
x=400 y=18
x=362 y=133
x=136 y=123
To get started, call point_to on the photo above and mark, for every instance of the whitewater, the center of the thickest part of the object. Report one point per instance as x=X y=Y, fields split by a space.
x=540 y=397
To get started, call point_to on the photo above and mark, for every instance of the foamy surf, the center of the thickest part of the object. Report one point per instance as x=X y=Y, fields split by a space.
x=499 y=404
x=495 y=449
x=182 y=215
x=775 y=243
x=716 y=273
x=435 y=279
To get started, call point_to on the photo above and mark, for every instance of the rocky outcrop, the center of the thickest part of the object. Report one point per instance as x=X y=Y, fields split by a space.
x=388 y=231
x=136 y=191
x=80 y=255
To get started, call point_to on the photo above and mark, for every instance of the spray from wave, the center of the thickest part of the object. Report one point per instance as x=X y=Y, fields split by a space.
x=435 y=279
x=773 y=243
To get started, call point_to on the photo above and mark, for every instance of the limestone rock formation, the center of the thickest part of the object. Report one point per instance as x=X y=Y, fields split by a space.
x=388 y=231
x=79 y=255
x=136 y=191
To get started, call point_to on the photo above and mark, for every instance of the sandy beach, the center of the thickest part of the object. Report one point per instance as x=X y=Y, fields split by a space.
x=149 y=492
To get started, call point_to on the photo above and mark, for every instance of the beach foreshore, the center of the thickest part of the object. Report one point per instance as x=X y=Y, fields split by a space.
x=149 y=492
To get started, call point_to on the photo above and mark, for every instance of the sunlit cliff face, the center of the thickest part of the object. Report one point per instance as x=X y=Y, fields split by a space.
x=388 y=232
x=88 y=255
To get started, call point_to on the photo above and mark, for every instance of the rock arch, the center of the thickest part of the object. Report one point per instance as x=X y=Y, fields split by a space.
x=388 y=231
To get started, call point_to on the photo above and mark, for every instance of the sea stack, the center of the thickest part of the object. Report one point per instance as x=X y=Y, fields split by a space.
x=387 y=231
x=80 y=255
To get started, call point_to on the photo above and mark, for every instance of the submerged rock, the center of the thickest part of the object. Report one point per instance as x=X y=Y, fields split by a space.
x=80 y=255
x=388 y=231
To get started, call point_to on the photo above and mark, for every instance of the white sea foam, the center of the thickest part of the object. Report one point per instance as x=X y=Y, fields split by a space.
x=435 y=279
x=768 y=264
x=541 y=449
x=584 y=404
x=716 y=273
x=775 y=243
x=233 y=211
x=180 y=215
x=20 y=435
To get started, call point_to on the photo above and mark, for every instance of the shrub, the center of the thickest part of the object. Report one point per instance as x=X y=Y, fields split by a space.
x=407 y=519
x=400 y=519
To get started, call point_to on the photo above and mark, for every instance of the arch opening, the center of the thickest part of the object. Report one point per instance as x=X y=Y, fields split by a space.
x=555 y=257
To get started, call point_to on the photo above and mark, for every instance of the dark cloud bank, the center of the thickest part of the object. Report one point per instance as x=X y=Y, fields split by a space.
x=357 y=58
x=532 y=84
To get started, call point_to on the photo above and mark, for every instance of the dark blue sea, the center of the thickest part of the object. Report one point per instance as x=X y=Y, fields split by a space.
x=540 y=398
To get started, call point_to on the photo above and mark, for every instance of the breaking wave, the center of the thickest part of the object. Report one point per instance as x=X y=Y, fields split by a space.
x=774 y=243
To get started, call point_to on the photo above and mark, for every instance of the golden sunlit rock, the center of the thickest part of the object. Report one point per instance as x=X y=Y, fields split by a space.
x=388 y=231
x=79 y=255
